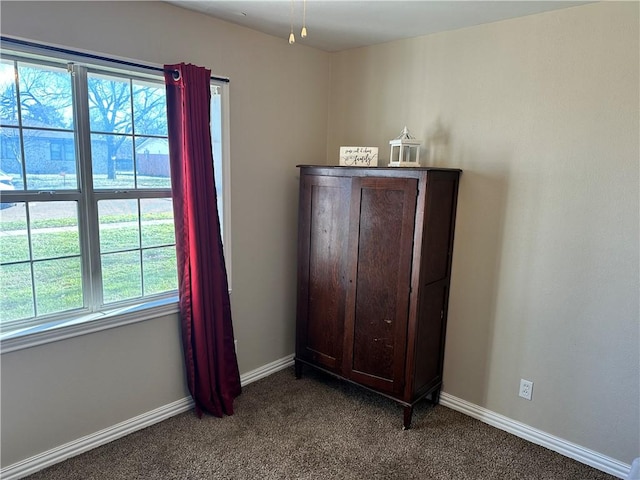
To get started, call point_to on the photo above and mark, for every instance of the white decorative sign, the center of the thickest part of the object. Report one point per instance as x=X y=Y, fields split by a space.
x=359 y=156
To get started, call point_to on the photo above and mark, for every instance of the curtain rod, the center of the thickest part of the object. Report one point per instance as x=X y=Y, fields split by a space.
x=25 y=43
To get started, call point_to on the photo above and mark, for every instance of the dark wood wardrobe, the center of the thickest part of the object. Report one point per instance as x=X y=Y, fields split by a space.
x=374 y=267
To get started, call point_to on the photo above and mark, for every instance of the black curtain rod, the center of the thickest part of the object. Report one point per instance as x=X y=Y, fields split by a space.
x=89 y=55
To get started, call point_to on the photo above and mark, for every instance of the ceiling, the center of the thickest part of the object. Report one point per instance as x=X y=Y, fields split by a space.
x=335 y=25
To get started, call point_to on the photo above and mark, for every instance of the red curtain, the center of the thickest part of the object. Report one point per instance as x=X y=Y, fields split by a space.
x=205 y=310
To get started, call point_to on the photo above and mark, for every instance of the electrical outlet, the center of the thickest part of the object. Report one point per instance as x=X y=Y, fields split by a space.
x=526 y=388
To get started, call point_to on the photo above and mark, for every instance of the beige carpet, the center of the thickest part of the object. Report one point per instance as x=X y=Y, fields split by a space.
x=320 y=428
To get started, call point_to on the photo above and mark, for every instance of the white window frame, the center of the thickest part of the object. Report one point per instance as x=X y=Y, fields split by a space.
x=71 y=324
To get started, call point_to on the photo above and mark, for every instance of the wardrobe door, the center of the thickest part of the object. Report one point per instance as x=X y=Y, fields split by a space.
x=322 y=250
x=380 y=255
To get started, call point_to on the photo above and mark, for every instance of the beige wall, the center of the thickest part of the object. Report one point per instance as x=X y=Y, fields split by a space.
x=541 y=113
x=60 y=392
x=57 y=393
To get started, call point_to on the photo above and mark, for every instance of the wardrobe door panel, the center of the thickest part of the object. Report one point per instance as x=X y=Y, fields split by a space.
x=322 y=262
x=381 y=241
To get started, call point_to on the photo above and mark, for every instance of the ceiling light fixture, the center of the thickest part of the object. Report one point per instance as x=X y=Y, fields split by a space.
x=292 y=37
x=303 y=33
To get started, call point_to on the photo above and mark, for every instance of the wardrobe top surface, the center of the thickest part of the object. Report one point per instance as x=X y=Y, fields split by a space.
x=419 y=169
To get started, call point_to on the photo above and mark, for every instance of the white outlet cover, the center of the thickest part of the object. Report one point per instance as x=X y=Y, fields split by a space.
x=526 y=389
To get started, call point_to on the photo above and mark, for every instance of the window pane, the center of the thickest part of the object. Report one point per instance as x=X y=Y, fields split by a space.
x=112 y=158
x=58 y=285
x=8 y=96
x=121 y=276
x=149 y=108
x=216 y=131
x=49 y=165
x=152 y=162
x=45 y=96
x=216 y=141
x=160 y=270
x=109 y=104
x=118 y=225
x=156 y=215
x=10 y=159
x=54 y=229
x=16 y=297
x=14 y=242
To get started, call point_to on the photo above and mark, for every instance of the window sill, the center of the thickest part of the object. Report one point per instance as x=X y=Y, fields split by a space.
x=61 y=330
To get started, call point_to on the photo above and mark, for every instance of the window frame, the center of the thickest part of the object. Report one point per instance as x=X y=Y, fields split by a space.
x=93 y=317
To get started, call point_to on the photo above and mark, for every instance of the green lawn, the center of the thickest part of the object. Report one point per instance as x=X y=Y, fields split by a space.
x=58 y=281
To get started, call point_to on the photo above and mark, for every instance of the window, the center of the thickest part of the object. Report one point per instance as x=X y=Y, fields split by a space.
x=62 y=149
x=86 y=215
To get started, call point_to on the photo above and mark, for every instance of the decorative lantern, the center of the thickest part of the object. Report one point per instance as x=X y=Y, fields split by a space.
x=405 y=150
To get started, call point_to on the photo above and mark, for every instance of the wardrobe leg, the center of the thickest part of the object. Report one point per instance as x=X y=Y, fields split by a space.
x=408 y=413
x=298 y=369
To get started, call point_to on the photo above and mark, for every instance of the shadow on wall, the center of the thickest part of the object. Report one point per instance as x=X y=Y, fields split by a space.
x=475 y=276
x=438 y=145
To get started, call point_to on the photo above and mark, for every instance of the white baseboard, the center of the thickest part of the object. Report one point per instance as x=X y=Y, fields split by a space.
x=84 y=444
x=266 y=370
x=58 y=454
x=563 y=447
